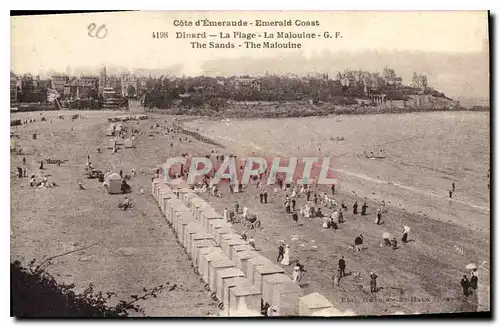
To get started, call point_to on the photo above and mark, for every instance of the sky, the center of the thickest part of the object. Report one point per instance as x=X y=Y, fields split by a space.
x=407 y=40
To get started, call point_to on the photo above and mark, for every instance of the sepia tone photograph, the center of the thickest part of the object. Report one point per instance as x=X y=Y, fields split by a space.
x=250 y=164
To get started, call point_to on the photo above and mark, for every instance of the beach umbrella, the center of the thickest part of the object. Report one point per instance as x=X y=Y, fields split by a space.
x=471 y=266
x=386 y=235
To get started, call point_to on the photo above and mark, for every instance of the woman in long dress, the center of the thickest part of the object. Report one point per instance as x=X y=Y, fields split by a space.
x=286 y=256
x=296 y=275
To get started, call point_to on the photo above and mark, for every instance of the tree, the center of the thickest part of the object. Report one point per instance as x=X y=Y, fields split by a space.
x=35 y=294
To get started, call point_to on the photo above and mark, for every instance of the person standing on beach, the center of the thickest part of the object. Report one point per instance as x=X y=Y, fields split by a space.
x=287 y=207
x=261 y=196
x=382 y=206
x=226 y=216
x=281 y=252
x=315 y=198
x=473 y=279
x=379 y=217
x=373 y=282
x=464 y=282
x=358 y=241
x=295 y=219
x=333 y=189
x=308 y=194
x=363 y=209
x=406 y=231
x=355 y=208
x=450 y=193
x=293 y=204
x=453 y=187
x=265 y=196
x=341 y=267
x=24 y=161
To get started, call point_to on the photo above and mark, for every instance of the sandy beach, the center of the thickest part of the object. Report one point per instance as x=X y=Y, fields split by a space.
x=136 y=249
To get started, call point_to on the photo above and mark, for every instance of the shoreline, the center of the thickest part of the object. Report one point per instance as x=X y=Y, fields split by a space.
x=318 y=111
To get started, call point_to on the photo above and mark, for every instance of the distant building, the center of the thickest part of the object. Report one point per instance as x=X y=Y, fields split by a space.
x=70 y=89
x=102 y=81
x=58 y=82
x=110 y=98
x=129 y=83
x=247 y=83
x=88 y=87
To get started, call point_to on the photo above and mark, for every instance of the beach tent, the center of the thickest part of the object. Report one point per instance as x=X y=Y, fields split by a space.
x=129 y=143
x=113 y=182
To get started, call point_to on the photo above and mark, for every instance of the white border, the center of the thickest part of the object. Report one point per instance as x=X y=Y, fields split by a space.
x=192 y=5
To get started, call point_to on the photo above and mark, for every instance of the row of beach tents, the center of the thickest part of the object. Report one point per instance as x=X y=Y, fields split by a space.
x=127 y=118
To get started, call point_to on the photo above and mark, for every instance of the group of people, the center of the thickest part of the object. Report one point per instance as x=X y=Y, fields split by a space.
x=44 y=183
x=341 y=272
x=469 y=285
x=284 y=259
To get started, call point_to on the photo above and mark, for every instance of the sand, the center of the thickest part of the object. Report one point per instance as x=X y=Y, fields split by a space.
x=134 y=249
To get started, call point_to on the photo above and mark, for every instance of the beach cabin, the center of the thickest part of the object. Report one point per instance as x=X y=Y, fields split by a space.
x=201 y=252
x=216 y=224
x=241 y=259
x=239 y=248
x=227 y=244
x=207 y=215
x=229 y=283
x=262 y=271
x=214 y=268
x=311 y=303
x=269 y=283
x=252 y=263
x=190 y=229
x=223 y=274
x=198 y=237
x=244 y=301
x=286 y=297
x=113 y=182
x=205 y=255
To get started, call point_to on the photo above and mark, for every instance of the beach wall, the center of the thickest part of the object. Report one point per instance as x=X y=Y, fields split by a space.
x=239 y=278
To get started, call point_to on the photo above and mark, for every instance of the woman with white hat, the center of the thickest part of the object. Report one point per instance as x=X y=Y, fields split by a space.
x=296 y=274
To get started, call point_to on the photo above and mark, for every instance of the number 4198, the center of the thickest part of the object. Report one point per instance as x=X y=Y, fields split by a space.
x=160 y=35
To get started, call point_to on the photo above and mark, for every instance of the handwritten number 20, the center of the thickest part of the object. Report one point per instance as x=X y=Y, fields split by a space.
x=98 y=32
